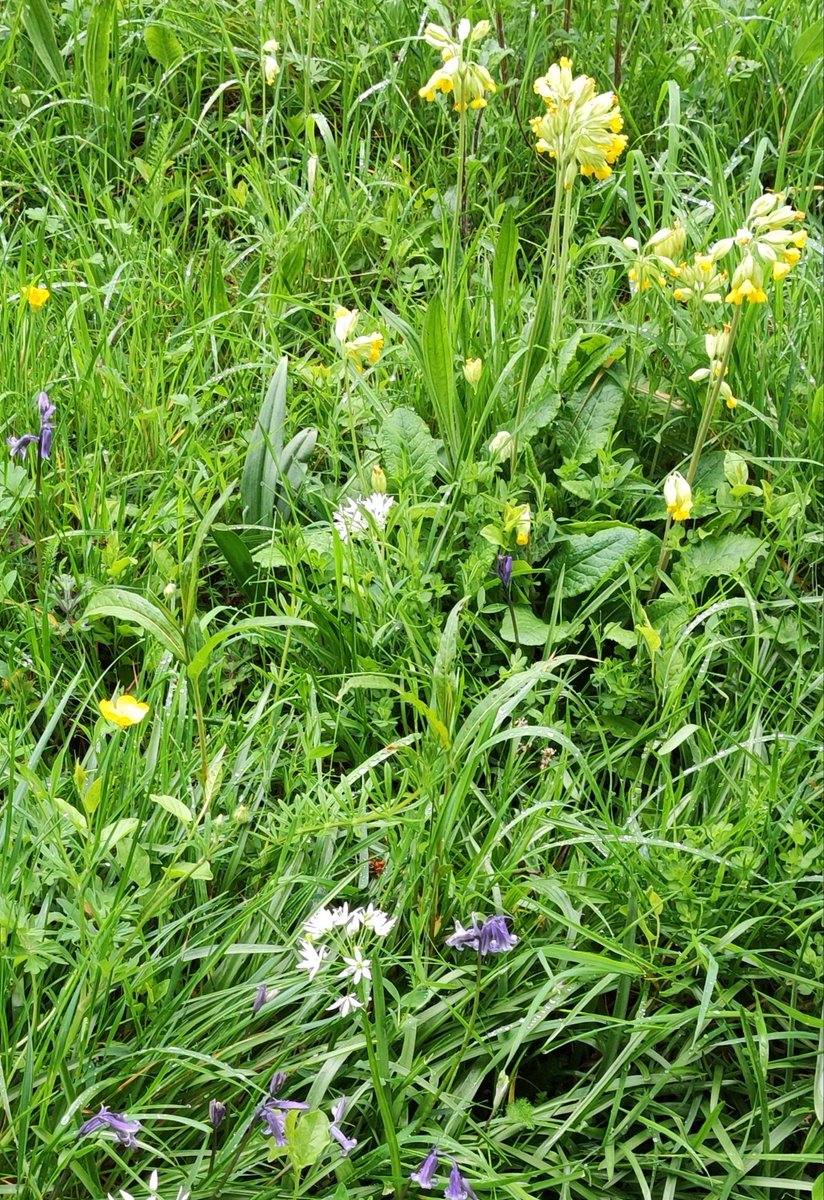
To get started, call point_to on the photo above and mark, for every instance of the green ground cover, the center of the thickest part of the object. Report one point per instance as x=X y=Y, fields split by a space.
x=499 y=597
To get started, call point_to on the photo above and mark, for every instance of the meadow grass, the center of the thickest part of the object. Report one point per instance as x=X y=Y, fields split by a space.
x=624 y=758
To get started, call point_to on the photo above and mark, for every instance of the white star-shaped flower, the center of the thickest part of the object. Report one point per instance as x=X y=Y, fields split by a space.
x=378 y=921
x=311 y=958
x=346 y=1005
x=357 y=966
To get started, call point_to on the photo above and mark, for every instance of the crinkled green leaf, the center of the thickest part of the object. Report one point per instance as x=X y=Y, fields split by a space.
x=408 y=449
x=588 y=560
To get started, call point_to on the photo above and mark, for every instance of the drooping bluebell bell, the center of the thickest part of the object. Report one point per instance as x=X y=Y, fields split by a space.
x=272 y=1112
x=346 y=1143
x=44 y=438
x=504 y=569
x=425 y=1174
x=261 y=996
x=490 y=937
x=457 y=1188
x=124 y=1128
x=217 y=1113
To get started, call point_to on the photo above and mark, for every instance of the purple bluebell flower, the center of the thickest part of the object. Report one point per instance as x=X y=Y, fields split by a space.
x=121 y=1126
x=43 y=439
x=217 y=1112
x=274 y=1121
x=261 y=996
x=425 y=1174
x=504 y=569
x=346 y=1143
x=491 y=937
x=457 y=1188
x=495 y=936
x=465 y=939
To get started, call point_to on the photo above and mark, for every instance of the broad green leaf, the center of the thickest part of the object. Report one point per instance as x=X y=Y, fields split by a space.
x=444 y=676
x=722 y=554
x=134 y=609
x=409 y=451
x=174 y=806
x=162 y=44
x=112 y=834
x=439 y=373
x=543 y=402
x=532 y=631
x=503 y=267
x=307 y=1137
x=92 y=794
x=75 y=816
x=239 y=558
x=39 y=25
x=807 y=45
x=97 y=49
x=260 y=478
x=198 y=870
x=134 y=859
x=588 y=560
x=586 y=422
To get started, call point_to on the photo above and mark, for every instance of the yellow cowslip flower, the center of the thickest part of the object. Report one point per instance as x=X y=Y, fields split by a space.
x=668 y=243
x=769 y=240
x=35 y=295
x=378 y=479
x=726 y=392
x=124 y=711
x=462 y=77
x=678 y=496
x=360 y=350
x=747 y=283
x=473 y=369
x=578 y=128
x=271 y=66
x=500 y=446
x=700 y=280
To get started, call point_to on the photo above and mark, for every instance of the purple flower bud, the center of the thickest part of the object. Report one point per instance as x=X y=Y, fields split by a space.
x=44 y=438
x=123 y=1128
x=276 y=1083
x=495 y=936
x=217 y=1112
x=346 y=1143
x=19 y=446
x=261 y=996
x=504 y=569
x=457 y=1188
x=425 y=1174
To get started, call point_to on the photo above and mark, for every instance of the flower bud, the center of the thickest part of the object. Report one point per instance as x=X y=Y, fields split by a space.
x=473 y=369
x=678 y=496
x=524 y=527
x=271 y=66
x=501 y=445
x=378 y=479
x=669 y=242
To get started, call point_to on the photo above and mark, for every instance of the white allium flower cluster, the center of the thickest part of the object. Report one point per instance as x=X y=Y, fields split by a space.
x=328 y=935
x=352 y=518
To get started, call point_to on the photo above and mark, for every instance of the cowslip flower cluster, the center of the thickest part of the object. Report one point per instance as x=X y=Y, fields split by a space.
x=490 y=936
x=425 y=1176
x=701 y=280
x=459 y=74
x=153 y=1193
x=353 y=518
x=123 y=711
x=677 y=496
x=125 y=1129
x=43 y=440
x=771 y=243
x=717 y=347
x=359 y=350
x=271 y=66
x=657 y=259
x=329 y=935
x=579 y=128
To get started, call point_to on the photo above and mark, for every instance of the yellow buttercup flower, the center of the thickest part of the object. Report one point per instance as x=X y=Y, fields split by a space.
x=678 y=496
x=465 y=79
x=34 y=295
x=579 y=127
x=124 y=711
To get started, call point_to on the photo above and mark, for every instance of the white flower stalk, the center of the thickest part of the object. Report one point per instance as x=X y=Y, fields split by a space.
x=352 y=518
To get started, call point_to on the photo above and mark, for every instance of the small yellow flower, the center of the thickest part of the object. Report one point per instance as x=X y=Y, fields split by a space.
x=678 y=496
x=365 y=349
x=579 y=126
x=35 y=295
x=668 y=242
x=472 y=369
x=124 y=711
x=465 y=79
x=726 y=392
x=271 y=66
x=345 y=321
x=378 y=479
x=781 y=270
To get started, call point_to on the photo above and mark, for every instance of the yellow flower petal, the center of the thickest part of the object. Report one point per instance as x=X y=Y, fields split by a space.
x=124 y=711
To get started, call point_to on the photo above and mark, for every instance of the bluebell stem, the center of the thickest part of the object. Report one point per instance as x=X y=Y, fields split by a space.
x=122 y=1126
x=346 y=1143
x=261 y=996
x=217 y=1113
x=504 y=569
x=457 y=1188
x=44 y=438
x=425 y=1174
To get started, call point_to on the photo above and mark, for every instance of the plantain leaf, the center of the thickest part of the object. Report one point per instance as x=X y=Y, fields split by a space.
x=586 y=422
x=97 y=49
x=134 y=609
x=162 y=45
x=38 y=23
x=409 y=450
x=588 y=560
